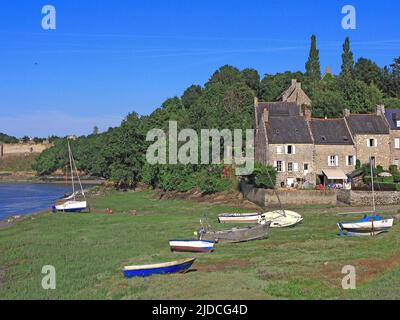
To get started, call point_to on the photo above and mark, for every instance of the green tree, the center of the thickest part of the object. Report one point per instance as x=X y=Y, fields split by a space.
x=191 y=95
x=347 y=69
x=252 y=79
x=368 y=71
x=313 y=67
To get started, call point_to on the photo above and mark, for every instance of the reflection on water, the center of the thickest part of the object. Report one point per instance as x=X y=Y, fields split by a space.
x=25 y=198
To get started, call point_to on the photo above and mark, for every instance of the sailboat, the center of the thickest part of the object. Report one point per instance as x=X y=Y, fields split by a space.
x=370 y=225
x=76 y=202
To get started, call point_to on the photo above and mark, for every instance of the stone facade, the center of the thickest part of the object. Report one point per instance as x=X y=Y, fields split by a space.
x=342 y=154
x=380 y=151
x=364 y=198
x=395 y=147
x=22 y=148
x=293 y=169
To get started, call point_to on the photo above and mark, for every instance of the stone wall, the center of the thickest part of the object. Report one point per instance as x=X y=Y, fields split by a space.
x=381 y=152
x=323 y=152
x=395 y=153
x=364 y=198
x=268 y=198
x=22 y=148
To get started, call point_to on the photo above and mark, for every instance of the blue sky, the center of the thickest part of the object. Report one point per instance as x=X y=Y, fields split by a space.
x=110 y=57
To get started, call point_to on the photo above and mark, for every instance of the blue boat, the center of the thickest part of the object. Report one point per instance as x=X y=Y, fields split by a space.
x=161 y=268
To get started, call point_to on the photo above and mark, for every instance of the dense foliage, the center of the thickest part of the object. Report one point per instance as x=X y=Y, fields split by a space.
x=224 y=102
x=4 y=138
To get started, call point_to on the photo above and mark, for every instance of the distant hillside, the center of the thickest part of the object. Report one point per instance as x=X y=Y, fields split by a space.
x=17 y=163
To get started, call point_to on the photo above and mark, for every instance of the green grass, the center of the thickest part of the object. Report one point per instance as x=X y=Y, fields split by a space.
x=18 y=163
x=89 y=251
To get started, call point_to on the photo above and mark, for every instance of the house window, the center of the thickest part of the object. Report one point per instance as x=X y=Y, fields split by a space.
x=279 y=166
x=290 y=149
x=372 y=143
x=350 y=160
x=398 y=123
x=279 y=150
x=306 y=167
x=290 y=166
x=333 y=161
x=397 y=143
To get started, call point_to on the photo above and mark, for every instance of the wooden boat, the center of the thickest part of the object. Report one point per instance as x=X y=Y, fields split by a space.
x=283 y=218
x=161 y=268
x=248 y=218
x=191 y=245
x=235 y=235
x=76 y=202
x=367 y=226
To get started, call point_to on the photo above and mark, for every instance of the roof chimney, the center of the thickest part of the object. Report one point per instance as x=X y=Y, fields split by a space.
x=346 y=113
x=380 y=110
x=328 y=70
x=307 y=113
x=294 y=81
x=298 y=85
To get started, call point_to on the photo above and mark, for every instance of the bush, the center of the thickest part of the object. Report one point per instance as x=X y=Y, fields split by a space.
x=176 y=178
x=210 y=180
x=264 y=176
x=358 y=164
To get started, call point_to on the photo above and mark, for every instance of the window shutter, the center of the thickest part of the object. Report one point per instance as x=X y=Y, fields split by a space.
x=375 y=142
x=397 y=143
x=275 y=164
x=347 y=160
x=283 y=166
x=329 y=161
x=279 y=150
x=294 y=149
x=295 y=167
x=337 y=161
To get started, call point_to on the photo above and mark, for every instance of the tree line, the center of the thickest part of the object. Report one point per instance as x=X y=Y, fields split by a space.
x=225 y=101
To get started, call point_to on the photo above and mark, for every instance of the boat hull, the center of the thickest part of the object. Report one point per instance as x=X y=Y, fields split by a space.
x=191 y=246
x=163 y=268
x=235 y=235
x=283 y=218
x=248 y=218
x=71 y=206
x=366 y=228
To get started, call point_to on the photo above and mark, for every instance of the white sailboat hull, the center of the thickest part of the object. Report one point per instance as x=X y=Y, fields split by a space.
x=72 y=206
x=248 y=218
x=282 y=218
x=368 y=226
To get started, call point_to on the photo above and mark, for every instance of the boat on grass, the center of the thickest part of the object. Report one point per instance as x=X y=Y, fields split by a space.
x=76 y=201
x=249 y=218
x=235 y=235
x=367 y=226
x=161 y=268
x=283 y=218
x=191 y=245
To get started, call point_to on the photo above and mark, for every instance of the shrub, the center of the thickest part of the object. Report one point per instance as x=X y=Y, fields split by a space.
x=210 y=180
x=264 y=176
x=358 y=164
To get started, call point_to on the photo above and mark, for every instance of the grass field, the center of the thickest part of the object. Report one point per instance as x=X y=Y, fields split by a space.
x=89 y=250
x=17 y=163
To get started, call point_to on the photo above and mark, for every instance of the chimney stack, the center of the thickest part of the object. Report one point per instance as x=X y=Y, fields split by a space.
x=380 y=110
x=294 y=82
x=298 y=85
x=307 y=113
x=346 y=113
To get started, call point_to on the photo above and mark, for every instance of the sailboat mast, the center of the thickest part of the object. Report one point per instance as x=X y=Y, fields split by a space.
x=72 y=170
x=372 y=182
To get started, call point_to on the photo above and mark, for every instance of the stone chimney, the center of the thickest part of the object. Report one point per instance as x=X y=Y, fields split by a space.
x=266 y=115
x=294 y=82
x=307 y=113
x=380 y=110
x=346 y=113
x=328 y=70
x=298 y=85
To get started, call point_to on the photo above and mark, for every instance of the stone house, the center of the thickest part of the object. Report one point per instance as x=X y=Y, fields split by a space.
x=371 y=137
x=334 y=150
x=392 y=117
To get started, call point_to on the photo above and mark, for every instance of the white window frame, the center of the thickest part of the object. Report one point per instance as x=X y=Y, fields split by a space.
x=348 y=160
x=293 y=149
x=290 y=167
x=397 y=143
x=279 y=150
x=335 y=158
x=375 y=142
x=295 y=167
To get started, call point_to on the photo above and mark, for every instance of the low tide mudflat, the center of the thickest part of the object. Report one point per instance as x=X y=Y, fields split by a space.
x=89 y=251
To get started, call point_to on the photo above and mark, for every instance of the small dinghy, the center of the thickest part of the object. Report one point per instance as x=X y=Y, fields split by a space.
x=239 y=218
x=367 y=226
x=161 y=268
x=235 y=235
x=283 y=218
x=191 y=245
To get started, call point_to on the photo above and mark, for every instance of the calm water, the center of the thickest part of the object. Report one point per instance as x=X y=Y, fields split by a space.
x=24 y=198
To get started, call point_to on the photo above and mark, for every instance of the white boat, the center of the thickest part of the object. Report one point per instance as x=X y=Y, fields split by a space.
x=367 y=226
x=282 y=218
x=76 y=202
x=191 y=245
x=248 y=218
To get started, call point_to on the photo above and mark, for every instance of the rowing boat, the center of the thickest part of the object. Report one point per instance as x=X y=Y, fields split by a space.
x=161 y=268
x=191 y=245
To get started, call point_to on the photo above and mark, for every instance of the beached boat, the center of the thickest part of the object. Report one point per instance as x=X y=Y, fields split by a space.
x=367 y=226
x=161 y=268
x=76 y=202
x=283 y=218
x=248 y=218
x=235 y=235
x=191 y=245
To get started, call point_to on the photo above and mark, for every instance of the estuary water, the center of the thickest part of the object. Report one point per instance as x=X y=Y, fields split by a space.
x=26 y=198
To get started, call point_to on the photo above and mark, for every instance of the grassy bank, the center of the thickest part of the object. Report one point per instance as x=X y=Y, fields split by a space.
x=17 y=163
x=89 y=250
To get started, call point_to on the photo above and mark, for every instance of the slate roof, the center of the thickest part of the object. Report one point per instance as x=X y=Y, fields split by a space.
x=278 y=109
x=330 y=132
x=392 y=115
x=289 y=129
x=367 y=124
